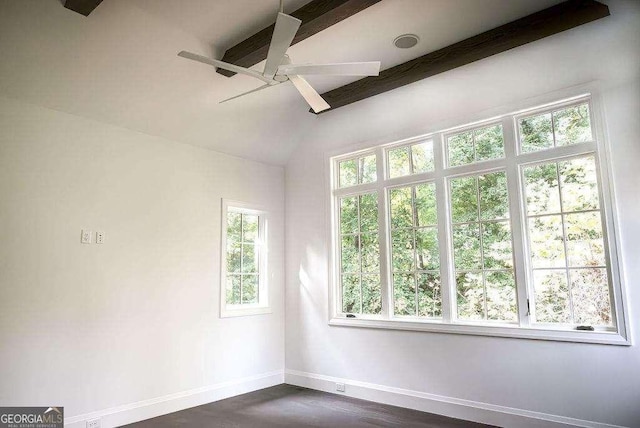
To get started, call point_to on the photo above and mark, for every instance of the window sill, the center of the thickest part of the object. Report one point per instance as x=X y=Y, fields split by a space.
x=246 y=311
x=536 y=333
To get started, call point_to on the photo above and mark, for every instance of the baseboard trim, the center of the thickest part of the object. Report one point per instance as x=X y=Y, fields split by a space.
x=134 y=412
x=448 y=406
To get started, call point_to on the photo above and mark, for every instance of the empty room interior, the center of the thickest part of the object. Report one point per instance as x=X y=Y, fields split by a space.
x=319 y=213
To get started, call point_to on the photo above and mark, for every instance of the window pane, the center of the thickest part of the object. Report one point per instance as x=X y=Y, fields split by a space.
x=470 y=295
x=357 y=171
x=536 y=133
x=572 y=125
x=371 y=294
x=496 y=245
x=368 y=213
x=233 y=289
x=399 y=162
x=350 y=255
x=422 y=157
x=402 y=250
x=427 y=252
x=489 y=143
x=360 y=253
x=370 y=252
x=348 y=173
x=367 y=169
x=546 y=242
x=429 y=295
x=426 y=204
x=551 y=296
x=249 y=227
x=234 y=228
x=401 y=209
x=501 y=296
x=404 y=294
x=234 y=256
x=348 y=215
x=460 y=149
x=579 y=184
x=482 y=243
x=411 y=242
x=541 y=186
x=476 y=145
x=494 y=201
x=250 y=289
x=351 y=293
x=585 y=244
x=577 y=232
x=466 y=247
x=590 y=294
x=249 y=259
x=464 y=199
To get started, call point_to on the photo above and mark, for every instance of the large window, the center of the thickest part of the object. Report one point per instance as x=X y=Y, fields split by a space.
x=244 y=260
x=503 y=227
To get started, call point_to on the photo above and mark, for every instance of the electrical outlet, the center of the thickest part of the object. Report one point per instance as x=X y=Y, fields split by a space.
x=340 y=387
x=85 y=237
x=99 y=237
x=93 y=423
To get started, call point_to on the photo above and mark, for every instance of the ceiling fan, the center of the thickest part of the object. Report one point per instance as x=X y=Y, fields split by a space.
x=279 y=69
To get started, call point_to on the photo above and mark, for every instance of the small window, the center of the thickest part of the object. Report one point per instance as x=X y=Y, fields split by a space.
x=570 y=125
x=244 y=257
x=475 y=145
x=359 y=170
x=412 y=159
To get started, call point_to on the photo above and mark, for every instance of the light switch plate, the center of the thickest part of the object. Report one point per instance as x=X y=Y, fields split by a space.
x=85 y=237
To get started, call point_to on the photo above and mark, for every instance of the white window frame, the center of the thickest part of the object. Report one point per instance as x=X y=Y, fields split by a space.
x=262 y=245
x=507 y=116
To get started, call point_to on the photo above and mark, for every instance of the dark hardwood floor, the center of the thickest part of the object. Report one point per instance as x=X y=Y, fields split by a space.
x=292 y=406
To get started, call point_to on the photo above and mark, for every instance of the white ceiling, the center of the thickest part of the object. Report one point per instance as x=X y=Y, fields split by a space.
x=119 y=65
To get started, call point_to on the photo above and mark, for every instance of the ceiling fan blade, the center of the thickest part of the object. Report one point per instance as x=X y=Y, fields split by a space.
x=283 y=34
x=343 y=69
x=222 y=64
x=314 y=99
x=247 y=93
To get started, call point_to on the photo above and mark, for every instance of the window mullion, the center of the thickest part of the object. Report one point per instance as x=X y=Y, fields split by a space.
x=241 y=257
x=414 y=232
x=447 y=283
x=385 y=279
x=261 y=258
x=518 y=235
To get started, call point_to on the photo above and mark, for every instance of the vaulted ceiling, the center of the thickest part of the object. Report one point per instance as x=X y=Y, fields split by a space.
x=119 y=64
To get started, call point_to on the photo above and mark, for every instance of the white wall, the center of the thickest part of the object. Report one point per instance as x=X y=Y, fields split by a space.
x=588 y=382
x=90 y=327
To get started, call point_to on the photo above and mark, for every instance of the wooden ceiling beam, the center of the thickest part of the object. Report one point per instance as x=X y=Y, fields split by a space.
x=316 y=16
x=547 y=22
x=83 y=7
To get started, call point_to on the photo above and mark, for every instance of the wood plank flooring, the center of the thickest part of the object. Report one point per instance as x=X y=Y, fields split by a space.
x=291 y=406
